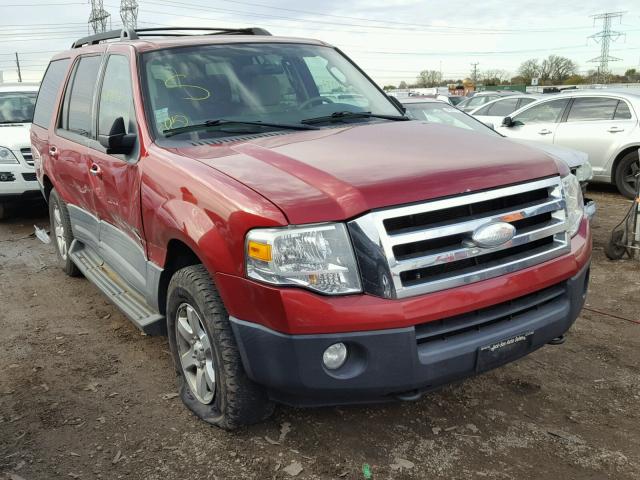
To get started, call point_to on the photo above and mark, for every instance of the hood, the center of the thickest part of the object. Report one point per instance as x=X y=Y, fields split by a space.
x=573 y=158
x=15 y=136
x=339 y=173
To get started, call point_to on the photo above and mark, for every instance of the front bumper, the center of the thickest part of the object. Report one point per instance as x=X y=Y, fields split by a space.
x=401 y=362
x=17 y=180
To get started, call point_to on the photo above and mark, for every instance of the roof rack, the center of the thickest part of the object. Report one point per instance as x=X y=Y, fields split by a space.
x=131 y=34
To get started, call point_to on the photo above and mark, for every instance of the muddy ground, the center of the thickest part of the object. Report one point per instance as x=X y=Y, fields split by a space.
x=84 y=395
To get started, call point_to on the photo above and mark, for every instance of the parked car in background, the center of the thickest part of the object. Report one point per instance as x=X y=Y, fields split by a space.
x=603 y=123
x=451 y=99
x=296 y=247
x=17 y=175
x=435 y=111
x=493 y=112
x=481 y=98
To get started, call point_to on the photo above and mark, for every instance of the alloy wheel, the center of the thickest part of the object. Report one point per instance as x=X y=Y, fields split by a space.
x=58 y=230
x=196 y=354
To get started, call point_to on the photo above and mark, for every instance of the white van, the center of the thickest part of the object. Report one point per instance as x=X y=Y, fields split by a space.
x=17 y=175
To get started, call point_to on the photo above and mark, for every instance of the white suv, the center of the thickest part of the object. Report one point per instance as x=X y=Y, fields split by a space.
x=17 y=175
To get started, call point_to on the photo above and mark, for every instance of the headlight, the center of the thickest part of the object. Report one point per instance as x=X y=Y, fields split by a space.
x=318 y=257
x=584 y=172
x=7 y=156
x=574 y=203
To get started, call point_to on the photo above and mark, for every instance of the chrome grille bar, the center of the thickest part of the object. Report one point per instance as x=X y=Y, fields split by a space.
x=427 y=253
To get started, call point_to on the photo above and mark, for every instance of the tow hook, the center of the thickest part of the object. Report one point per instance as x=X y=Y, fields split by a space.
x=558 y=340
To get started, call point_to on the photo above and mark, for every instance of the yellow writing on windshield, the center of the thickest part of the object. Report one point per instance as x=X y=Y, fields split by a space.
x=194 y=92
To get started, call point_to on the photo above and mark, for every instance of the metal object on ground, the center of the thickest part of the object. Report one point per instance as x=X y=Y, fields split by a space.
x=625 y=237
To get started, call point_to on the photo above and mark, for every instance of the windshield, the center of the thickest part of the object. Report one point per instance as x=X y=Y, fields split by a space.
x=436 y=112
x=17 y=107
x=261 y=82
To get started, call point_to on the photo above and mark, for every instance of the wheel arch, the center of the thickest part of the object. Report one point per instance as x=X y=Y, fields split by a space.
x=621 y=154
x=179 y=255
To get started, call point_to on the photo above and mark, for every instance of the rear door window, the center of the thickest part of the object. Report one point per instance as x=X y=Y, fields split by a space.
x=77 y=107
x=592 y=108
x=46 y=102
x=622 y=112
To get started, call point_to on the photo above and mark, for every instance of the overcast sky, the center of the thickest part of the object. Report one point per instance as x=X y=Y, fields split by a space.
x=391 y=39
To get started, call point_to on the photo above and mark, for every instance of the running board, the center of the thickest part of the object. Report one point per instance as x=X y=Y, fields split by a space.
x=116 y=289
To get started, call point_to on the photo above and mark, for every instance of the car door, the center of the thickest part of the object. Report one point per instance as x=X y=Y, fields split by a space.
x=538 y=121
x=596 y=125
x=116 y=178
x=68 y=145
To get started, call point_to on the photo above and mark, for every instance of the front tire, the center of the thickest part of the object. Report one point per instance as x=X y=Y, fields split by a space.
x=626 y=174
x=61 y=233
x=212 y=380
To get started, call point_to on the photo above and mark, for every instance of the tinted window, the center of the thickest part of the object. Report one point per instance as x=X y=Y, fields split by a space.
x=17 y=107
x=547 y=112
x=592 y=108
x=483 y=111
x=78 y=103
x=502 y=108
x=49 y=91
x=622 y=112
x=526 y=101
x=116 y=97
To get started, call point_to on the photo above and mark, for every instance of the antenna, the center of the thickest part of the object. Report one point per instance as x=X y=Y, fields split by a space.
x=98 y=17
x=129 y=14
x=604 y=38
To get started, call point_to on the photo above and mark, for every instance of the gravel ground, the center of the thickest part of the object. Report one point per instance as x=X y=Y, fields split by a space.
x=84 y=395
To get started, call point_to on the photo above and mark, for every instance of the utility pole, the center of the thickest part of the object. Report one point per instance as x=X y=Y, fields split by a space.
x=98 y=17
x=129 y=14
x=604 y=37
x=474 y=72
x=18 y=66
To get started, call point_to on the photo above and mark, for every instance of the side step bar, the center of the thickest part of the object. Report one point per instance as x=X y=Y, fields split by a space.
x=116 y=289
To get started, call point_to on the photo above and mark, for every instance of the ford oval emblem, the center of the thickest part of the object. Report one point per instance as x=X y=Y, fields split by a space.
x=494 y=234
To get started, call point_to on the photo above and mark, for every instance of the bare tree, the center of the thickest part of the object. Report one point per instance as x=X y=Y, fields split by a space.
x=529 y=69
x=494 y=77
x=429 y=78
x=557 y=68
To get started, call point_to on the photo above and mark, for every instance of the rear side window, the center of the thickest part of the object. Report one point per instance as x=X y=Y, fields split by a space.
x=116 y=98
x=622 y=112
x=592 y=108
x=78 y=99
x=504 y=107
x=46 y=102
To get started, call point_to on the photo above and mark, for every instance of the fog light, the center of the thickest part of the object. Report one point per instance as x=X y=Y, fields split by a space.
x=334 y=356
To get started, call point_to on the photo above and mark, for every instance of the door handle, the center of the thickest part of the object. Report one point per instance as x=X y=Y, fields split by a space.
x=615 y=130
x=95 y=170
x=544 y=131
x=53 y=151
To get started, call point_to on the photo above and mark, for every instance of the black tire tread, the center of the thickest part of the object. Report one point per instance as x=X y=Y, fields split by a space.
x=622 y=187
x=67 y=265
x=244 y=402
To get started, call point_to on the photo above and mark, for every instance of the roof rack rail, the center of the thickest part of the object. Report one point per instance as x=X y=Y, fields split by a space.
x=130 y=34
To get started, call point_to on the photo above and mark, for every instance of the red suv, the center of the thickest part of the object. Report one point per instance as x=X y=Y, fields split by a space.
x=263 y=203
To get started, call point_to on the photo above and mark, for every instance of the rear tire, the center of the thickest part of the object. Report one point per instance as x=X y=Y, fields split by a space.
x=212 y=380
x=4 y=211
x=625 y=172
x=61 y=233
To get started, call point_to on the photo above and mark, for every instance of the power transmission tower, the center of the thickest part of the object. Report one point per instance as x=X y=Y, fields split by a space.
x=604 y=38
x=474 y=72
x=98 y=17
x=129 y=14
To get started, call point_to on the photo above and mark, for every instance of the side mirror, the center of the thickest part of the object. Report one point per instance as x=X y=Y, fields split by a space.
x=118 y=141
x=508 y=122
x=397 y=103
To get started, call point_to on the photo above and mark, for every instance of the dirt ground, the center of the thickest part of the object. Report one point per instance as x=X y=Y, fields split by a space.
x=84 y=395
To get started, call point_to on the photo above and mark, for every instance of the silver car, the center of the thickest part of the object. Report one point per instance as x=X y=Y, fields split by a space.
x=482 y=98
x=494 y=111
x=603 y=123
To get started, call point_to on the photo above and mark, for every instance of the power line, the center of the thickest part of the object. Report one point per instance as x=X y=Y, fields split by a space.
x=98 y=17
x=474 y=72
x=129 y=13
x=604 y=37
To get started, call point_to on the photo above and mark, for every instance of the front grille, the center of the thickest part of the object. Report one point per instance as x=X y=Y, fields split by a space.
x=27 y=155
x=508 y=312
x=427 y=246
x=29 y=177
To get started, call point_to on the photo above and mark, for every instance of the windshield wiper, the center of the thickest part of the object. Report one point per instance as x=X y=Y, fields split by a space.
x=223 y=122
x=340 y=116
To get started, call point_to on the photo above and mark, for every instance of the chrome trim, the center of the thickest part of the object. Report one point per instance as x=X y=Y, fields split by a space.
x=373 y=229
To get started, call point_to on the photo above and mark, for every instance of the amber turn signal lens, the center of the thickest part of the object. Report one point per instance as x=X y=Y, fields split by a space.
x=259 y=251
